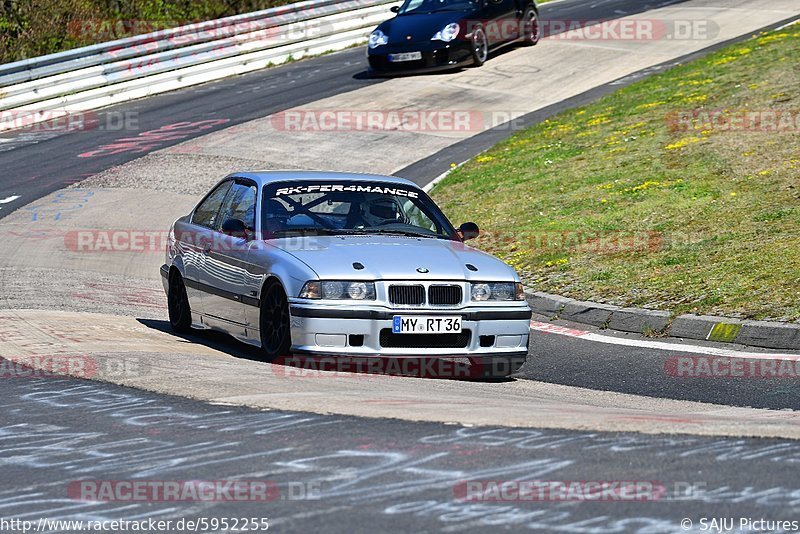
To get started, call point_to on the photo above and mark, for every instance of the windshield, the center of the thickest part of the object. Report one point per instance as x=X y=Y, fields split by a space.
x=340 y=208
x=432 y=6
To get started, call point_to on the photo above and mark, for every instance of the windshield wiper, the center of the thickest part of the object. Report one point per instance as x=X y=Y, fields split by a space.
x=358 y=231
x=388 y=231
x=308 y=230
x=428 y=12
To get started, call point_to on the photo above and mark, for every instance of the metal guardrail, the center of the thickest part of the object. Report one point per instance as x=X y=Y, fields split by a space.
x=91 y=77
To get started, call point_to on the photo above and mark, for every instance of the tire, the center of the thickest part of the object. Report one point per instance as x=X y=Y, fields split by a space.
x=531 y=29
x=180 y=314
x=274 y=322
x=480 y=47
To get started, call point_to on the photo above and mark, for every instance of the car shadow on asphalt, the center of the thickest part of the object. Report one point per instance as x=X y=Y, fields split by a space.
x=299 y=365
x=367 y=75
x=209 y=338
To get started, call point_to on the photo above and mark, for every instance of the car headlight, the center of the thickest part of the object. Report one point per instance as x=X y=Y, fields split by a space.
x=377 y=38
x=484 y=291
x=338 y=290
x=446 y=34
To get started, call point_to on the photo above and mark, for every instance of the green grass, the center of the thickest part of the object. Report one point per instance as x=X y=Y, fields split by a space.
x=33 y=28
x=706 y=220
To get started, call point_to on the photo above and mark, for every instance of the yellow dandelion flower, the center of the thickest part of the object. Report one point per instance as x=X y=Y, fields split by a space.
x=682 y=143
x=769 y=38
x=695 y=98
x=597 y=121
x=724 y=60
x=651 y=105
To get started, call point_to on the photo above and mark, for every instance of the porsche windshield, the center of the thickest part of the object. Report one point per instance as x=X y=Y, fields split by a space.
x=338 y=208
x=433 y=6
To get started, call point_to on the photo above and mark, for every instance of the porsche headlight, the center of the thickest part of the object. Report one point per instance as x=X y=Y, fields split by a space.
x=446 y=34
x=504 y=291
x=377 y=38
x=338 y=290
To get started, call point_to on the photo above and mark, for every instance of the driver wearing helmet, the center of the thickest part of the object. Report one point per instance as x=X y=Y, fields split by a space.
x=380 y=211
x=275 y=216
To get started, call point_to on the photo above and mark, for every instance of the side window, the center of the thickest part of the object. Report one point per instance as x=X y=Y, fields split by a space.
x=418 y=218
x=206 y=212
x=240 y=204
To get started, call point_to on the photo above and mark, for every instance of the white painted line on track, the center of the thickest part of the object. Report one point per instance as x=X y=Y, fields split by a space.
x=430 y=185
x=549 y=328
x=787 y=25
x=6 y=200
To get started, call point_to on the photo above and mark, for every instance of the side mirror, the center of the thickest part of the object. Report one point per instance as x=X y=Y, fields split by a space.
x=234 y=228
x=469 y=230
x=395 y=9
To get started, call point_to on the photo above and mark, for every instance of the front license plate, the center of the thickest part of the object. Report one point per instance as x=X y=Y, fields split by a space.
x=423 y=324
x=405 y=56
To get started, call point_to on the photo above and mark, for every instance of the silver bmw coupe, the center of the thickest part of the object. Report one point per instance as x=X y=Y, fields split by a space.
x=342 y=265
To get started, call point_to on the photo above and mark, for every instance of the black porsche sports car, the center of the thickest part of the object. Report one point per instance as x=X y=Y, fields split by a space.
x=430 y=35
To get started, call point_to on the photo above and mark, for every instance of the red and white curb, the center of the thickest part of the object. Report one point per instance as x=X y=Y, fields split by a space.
x=549 y=328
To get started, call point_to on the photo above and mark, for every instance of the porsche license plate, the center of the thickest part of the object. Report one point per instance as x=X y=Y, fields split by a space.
x=405 y=56
x=423 y=324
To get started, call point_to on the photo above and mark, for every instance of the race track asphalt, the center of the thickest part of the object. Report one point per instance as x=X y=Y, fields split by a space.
x=345 y=474
x=373 y=473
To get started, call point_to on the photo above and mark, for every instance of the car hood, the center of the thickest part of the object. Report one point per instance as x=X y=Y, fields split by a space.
x=420 y=27
x=395 y=257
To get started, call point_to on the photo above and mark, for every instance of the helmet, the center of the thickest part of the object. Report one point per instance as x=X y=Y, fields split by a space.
x=275 y=215
x=381 y=210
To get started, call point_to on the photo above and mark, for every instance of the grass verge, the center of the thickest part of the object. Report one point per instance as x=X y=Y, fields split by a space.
x=650 y=196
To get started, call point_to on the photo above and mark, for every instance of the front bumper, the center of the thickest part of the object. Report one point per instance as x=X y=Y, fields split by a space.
x=366 y=331
x=165 y=277
x=436 y=56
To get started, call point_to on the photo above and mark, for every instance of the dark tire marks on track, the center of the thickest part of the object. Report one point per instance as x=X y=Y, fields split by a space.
x=366 y=475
